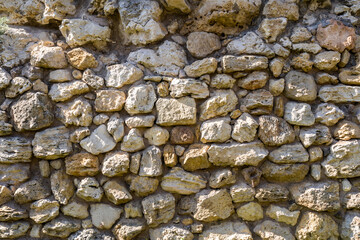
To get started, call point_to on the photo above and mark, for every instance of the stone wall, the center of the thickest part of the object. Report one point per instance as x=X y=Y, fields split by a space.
x=180 y=119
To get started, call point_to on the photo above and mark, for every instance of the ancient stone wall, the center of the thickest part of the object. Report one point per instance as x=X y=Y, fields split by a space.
x=180 y=119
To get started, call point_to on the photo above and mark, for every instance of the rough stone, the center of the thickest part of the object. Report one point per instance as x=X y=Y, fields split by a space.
x=213 y=205
x=299 y=114
x=281 y=8
x=92 y=80
x=201 y=44
x=128 y=228
x=170 y=232
x=151 y=163
x=220 y=103
x=18 y=85
x=115 y=164
x=78 y=32
x=12 y=212
x=220 y=81
x=345 y=36
x=320 y=196
x=140 y=99
x=328 y=114
x=250 y=212
x=100 y=141
x=245 y=128
x=60 y=75
x=215 y=130
x=284 y=172
x=300 y=34
x=227 y=230
x=60 y=92
x=33 y=111
x=82 y=164
x=281 y=214
x=231 y=63
x=61 y=227
x=274 y=131
x=182 y=182
x=349 y=76
x=140 y=121
x=312 y=48
x=143 y=186
x=15 y=150
x=182 y=135
x=188 y=86
x=303 y=62
x=269 y=192
x=350 y=226
x=172 y=112
x=109 y=100
x=77 y=112
x=157 y=136
x=133 y=141
x=270 y=230
x=48 y=57
x=119 y=75
x=76 y=209
x=241 y=192
x=339 y=93
x=62 y=186
x=90 y=190
x=300 y=86
x=327 y=60
x=271 y=28
x=254 y=80
x=5 y=195
x=316 y=226
x=116 y=193
x=158 y=208
x=5 y=78
x=44 y=210
x=13 y=229
x=31 y=191
x=103 y=216
x=52 y=143
x=195 y=158
x=290 y=153
x=250 y=43
x=316 y=135
x=221 y=177
x=201 y=67
x=258 y=102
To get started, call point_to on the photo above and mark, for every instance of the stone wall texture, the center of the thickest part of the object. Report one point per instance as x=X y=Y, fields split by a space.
x=180 y=119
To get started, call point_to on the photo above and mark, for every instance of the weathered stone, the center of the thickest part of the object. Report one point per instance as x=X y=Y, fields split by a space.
x=195 y=157
x=276 y=66
x=316 y=135
x=5 y=128
x=48 y=57
x=170 y=232
x=62 y=187
x=320 y=196
x=242 y=192
x=115 y=164
x=78 y=32
x=140 y=22
x=245 y=128
x=254 y=80
x=109 y=100
x=82 y=164
x=350 y=226
x=213 y=205
x=103 y=216
x=170 y=157
x=300 y=34
x=271 y=28
x=182 y=182
x=220 y=103
x=13 y=229
x=128 y=228
x=271 y=193
x=275 y=131
x=151 y=164
x=188 y=86
x=339 y=93
x=12 y=212
x=284 y=172
x=92 y=80
x=76 y=209
x=209 y=16
x=77 y=112
x=290 y=153
x=221 y=177
x=52 y=143
x=349 y=76
x=325 y=78
x=347 y=130
x=300 y=86
x=281 y=8
x=215 y=130
x=31 y=191
x=60 y=75
x=100 y=141
x=222 y=81
x=141 y=99
x=140 y=121
x=236 y=154
x=342 y=160
x=44 y=210
x=133 y=141
x=90 y=233
x=227 y=230
x=14 y=150
x=281 y=214
x=299 y=114
x=33 y=111
x=119 y=75
x=250 y=43
x=231 y=63
x=158 y=208
x=327 y=60
x=5 y=195
x=182 y=135
x=270 y=230
x=334 y=35
x=143 y=186
x=316 y=226
x=303 y=62
x=172 y=112
x=250 y=212
x=328 y=114
x=60 y=92
x=61 y=227
x=201 y=44
x=116 y=193
x=312 y=48
x=90 y=190
x=201 y=67
x=258 y=102
x=167 y=60
x=81 y=59
x=5 y=78
x=18 y=86
x=157 y=136
x=79 y=134
x=351 y=201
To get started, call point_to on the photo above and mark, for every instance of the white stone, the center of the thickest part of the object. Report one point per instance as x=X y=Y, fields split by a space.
x=328 y=114
x=245 y=128
x=151 y=163
x=115 y=127
x=215 y=130
x=227 y=230
x=5 y=78
x=77 y=112
x=180 y=87
x=60 y=92
x=172 y=112
x=250 y=43
x=119 y=75
x=140 y=99
x=103 y=216
x=133 y=141
x=201 y=67
x=289 y=153
x=115 y=164
x=299 y=114
x=99 y=141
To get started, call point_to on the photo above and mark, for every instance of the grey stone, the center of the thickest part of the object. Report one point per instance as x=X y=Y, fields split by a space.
x=100 y=141
x=31 y=191
x=299 y=114
x=151 y=163
x=250 y=43
x=90 y=190
x=290 y=153
x=274 y=131
x=170 y=232
x=300 y=86
x=13 y=229
x=158 y=208
x=103 y=216
x=62 y=186
x=61 y=227
x=14 y=150
x=231 y=63
x=140 y=99
x=128 y=228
